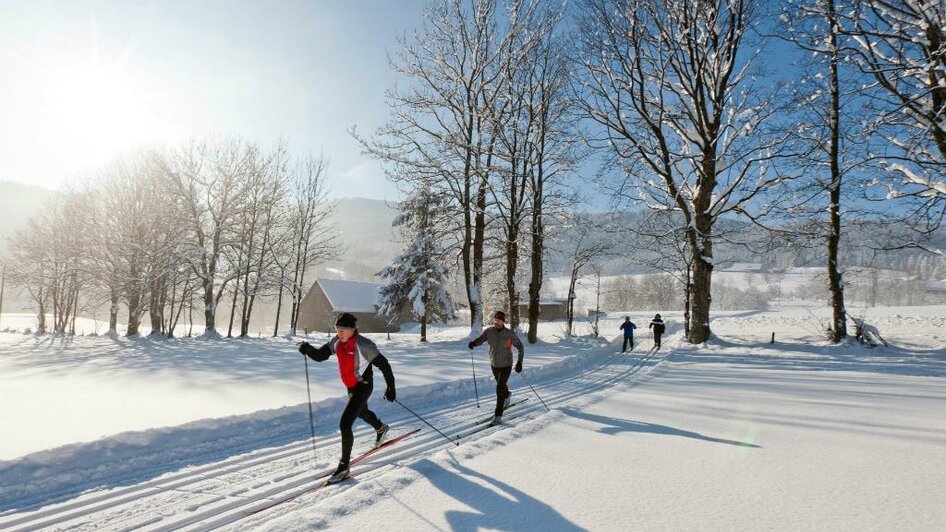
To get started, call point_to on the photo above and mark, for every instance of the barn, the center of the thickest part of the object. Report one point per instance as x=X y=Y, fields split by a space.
x=330 y=297
x=549 y=309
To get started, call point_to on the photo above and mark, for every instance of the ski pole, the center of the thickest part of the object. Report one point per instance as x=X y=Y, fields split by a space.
x=415 y=414
x=535 y=392
x=311 y=419
x=474 y=381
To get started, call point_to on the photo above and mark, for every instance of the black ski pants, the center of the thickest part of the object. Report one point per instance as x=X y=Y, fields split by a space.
x=502 y=389
x=357 y=407
x=657 y=340
x=628 y=340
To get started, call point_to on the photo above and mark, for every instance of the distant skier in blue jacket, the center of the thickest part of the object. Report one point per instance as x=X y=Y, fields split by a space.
x=628 y=328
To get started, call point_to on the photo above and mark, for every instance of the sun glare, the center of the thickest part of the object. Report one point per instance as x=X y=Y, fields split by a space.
x=98 y=111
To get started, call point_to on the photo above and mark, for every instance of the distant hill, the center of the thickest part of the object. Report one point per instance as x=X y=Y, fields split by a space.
x=18 y=202
x=368 y=240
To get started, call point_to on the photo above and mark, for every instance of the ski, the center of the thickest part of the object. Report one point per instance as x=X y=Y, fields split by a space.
x=490 y=418
x=360 y=458
x=363 y=456
x=483 y=424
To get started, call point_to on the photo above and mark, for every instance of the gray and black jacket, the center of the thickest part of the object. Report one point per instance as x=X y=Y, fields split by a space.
x=500 y=346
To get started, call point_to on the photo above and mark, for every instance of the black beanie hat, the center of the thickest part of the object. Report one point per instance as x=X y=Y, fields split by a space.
x=346 y=321
x=500 y=315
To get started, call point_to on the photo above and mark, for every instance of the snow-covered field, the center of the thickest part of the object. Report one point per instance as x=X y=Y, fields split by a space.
x=112 y=434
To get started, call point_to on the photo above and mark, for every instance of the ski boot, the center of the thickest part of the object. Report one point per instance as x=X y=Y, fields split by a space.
x=381 y=433
x=340 y=474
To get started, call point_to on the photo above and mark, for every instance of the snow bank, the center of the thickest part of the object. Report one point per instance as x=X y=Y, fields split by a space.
x=134 y=456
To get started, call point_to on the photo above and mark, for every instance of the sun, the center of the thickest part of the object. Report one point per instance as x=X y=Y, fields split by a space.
x=97 y=110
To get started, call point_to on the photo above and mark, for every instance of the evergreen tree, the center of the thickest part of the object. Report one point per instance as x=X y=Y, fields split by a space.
x=417 y=277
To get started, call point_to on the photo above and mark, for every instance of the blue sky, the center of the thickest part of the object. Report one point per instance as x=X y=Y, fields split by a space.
x=306 y=71
x=84 y=80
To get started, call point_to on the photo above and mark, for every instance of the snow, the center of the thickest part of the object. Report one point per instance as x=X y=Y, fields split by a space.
x=350 y=296
x=744 y=267
x=735 y=434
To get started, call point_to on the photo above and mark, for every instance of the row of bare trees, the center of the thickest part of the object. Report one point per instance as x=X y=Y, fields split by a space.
x=486 y=119
x=682 y=101
x=682 y=104
x=163 y=231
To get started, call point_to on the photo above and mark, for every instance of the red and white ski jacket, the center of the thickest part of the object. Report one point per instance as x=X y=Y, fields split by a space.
x=349 y=355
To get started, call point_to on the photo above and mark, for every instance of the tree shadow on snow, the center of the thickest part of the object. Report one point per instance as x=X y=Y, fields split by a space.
x=891 y=360
x=497 y=506
x=613 y=425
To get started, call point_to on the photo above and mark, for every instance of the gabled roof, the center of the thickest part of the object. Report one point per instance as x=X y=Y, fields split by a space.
x=350 y=296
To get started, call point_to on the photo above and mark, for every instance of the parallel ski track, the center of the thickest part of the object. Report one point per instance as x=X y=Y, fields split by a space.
x=246 y=497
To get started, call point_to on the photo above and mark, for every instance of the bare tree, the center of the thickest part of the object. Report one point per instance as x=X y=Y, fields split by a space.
x=827 y=106
x=443 y=128
x=50 y=259
x=268 y=202
x=208 y=179
x=28 y=258
x=902 y=45
x=554 y=145
x=668 y=84
x=312 y=237
x=249 y=255
x=582 y=251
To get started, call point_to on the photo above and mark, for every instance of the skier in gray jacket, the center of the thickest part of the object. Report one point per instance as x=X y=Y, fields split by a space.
x=500 y=341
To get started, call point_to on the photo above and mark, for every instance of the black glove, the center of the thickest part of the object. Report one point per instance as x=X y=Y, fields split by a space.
x=470 y=345
x=304 y=347
x=390 y=394
x=519 y=367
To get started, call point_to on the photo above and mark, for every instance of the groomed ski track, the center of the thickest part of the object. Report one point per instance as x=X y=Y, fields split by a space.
x=252 y=484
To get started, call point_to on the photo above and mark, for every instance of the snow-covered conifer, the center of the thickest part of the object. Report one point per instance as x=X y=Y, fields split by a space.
x=417 y=277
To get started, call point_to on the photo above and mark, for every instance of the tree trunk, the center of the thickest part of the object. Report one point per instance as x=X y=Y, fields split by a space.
x=535 y=283
x=236 y=293
x=512 y=259
x=278 y=311
x=55 y=304
x=113 y=313
x=134 y=312
x=570 y=307
x=173 y=315
x=479 y=238
x=75 y=312
x=156 y=307
x=597 y=301
x=41 y=316
x=423 y=328
x=700 y=295
x=210 y=307
x=839 y=314
x=190 y=318
x=687 y=290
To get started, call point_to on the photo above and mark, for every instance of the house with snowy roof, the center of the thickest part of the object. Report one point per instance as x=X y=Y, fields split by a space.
x=330 y=297
x=549 y=309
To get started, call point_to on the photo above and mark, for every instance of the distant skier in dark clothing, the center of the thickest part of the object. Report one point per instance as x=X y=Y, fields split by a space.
x=657 y=325
x=500 y=340
x=628 y=328
x=350 y=348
